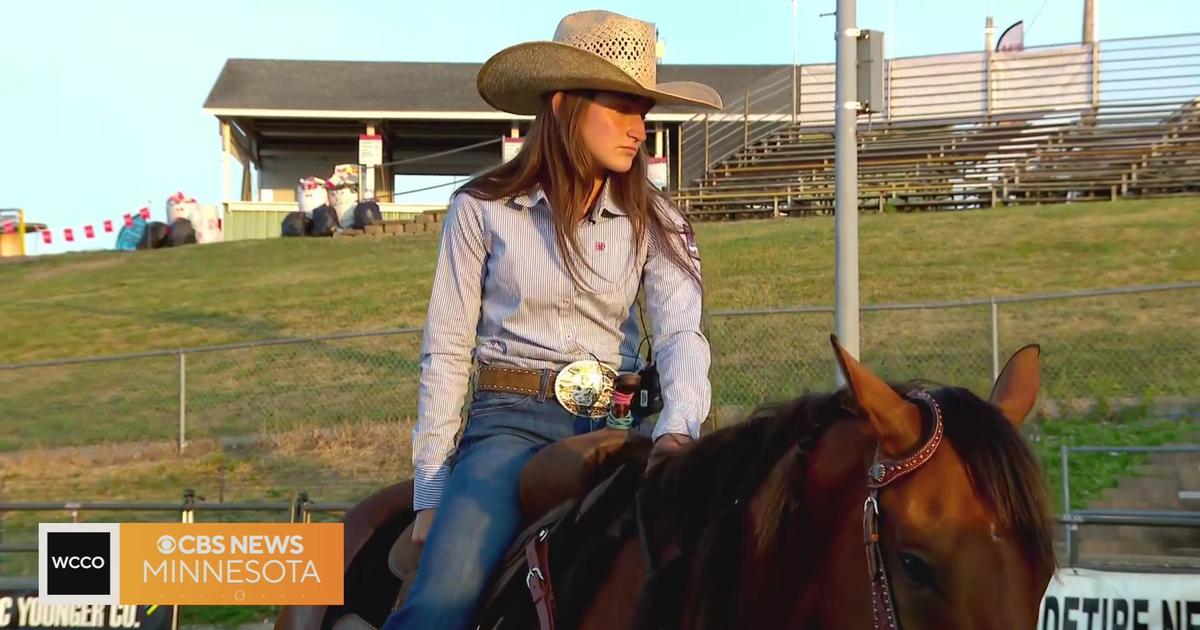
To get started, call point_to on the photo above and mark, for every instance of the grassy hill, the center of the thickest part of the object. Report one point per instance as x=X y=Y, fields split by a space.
x=110 y=302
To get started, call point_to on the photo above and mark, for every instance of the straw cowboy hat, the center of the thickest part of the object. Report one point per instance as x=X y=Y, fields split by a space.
x=592 y=50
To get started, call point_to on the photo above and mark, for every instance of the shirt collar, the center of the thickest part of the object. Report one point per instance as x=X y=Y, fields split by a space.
x=606 y=206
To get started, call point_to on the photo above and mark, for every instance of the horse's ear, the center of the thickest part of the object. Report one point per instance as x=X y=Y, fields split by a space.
x=1016 y=389
x=895 y=421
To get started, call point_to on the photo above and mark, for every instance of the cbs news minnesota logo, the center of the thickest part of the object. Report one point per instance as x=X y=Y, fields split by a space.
x=216 y=564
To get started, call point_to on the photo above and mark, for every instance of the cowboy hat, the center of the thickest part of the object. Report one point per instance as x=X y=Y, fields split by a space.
x=591 y=50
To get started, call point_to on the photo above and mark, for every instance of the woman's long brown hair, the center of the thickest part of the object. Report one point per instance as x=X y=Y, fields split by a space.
x=555 y=158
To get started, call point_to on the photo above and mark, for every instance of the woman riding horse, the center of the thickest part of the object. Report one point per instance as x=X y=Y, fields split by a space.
x=540 y=263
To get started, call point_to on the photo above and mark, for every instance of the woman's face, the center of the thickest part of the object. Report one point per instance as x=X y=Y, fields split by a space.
x=613 y=129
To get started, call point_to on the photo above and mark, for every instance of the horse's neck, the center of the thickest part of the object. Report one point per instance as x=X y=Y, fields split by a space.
x=808 y=562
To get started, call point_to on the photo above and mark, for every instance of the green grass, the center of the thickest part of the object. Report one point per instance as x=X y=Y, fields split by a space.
x=1093 y=473
x=108 y=303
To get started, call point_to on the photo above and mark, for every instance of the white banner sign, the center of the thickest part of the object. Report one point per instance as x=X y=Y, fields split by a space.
x=511 y=147
x=1079 y=599
x=657 y=169
x=370 y=150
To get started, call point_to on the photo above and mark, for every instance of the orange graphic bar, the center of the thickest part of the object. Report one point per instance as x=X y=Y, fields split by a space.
x=228 y=564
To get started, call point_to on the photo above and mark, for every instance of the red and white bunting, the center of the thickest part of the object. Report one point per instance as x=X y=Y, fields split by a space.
x=108 y=226
x=68 y=235
x=46 y=237
x=89 y=232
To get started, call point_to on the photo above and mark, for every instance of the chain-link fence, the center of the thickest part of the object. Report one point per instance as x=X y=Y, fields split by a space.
x=1139 y=343
x=1130 y=342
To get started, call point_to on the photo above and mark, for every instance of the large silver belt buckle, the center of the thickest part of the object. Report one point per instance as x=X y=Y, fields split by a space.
x=585 y=388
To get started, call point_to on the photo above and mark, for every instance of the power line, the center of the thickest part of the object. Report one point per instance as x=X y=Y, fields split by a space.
x=1036 y=16
x=442 y=153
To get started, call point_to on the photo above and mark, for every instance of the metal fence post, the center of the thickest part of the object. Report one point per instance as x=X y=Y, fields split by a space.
x=182 y=400
x=1069 y=527
x=995 y=341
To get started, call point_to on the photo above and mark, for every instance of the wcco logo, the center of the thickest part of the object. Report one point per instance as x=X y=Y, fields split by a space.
x=77 y=563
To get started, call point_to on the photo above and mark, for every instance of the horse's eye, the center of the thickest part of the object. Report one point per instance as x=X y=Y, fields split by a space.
x=916 y=570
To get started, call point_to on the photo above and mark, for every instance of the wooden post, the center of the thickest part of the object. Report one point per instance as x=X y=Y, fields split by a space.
x=746 y=122
x=888 y=88
x=679 y=156
x=987 y=66
x=705 y=169
x=226 y=166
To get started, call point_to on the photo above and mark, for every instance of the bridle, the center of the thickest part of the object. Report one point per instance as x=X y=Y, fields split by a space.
x=881 y=473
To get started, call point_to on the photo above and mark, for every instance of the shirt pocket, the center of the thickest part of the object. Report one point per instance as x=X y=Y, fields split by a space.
x=608 y=250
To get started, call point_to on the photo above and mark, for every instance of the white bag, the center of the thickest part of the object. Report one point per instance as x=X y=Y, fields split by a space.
x=311 y=193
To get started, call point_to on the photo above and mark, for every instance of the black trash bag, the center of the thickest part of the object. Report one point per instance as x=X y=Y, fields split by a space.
x=367 y=213
x=155 y=236
x=182 y=233
x=295 y=224
x=324 y=221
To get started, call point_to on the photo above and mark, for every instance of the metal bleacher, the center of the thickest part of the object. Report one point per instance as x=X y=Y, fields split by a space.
x=1126 y=128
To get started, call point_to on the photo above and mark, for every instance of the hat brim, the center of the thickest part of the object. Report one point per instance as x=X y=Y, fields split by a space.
x=516 y=79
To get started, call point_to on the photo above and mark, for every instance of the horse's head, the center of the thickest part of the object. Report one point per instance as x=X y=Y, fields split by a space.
x=965 y=535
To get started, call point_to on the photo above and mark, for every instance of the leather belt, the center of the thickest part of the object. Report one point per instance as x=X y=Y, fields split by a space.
x=538 y=383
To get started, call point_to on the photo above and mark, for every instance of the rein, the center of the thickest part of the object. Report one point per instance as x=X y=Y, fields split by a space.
x=882 y=473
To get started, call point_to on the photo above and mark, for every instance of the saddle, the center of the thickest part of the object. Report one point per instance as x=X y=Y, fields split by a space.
x=572 y=477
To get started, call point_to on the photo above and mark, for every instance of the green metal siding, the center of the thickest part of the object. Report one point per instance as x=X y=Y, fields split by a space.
x=251 y=224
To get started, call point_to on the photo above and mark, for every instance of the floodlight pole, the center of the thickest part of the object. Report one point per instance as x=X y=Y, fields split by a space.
x=846 y=183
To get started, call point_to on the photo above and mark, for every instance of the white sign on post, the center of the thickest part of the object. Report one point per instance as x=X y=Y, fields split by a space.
x=1080 y=598
x=370 y=150
x=657 y=171
x=511 y=147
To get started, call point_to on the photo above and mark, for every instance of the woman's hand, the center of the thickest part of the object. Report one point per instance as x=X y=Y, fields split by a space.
x=421 y=525
x=665 y=446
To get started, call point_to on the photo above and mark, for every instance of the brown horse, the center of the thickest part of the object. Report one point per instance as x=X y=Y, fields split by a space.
x=841 y=510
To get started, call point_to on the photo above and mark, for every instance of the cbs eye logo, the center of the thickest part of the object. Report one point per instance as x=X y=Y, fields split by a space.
x=78 y=563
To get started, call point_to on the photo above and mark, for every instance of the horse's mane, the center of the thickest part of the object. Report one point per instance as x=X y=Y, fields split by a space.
x=702 y=492
x=1003 y=470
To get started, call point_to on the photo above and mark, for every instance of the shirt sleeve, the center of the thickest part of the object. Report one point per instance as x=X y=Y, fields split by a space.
x=448 y=347
x=674 y=304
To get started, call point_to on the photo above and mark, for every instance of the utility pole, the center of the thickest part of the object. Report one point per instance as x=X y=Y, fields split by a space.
x=846 y=181
x=1089 y=21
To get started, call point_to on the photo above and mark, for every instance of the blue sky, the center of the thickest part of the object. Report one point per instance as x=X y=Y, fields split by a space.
x=100 y=109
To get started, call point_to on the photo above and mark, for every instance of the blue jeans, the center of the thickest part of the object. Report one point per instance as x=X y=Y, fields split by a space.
x=480 y=514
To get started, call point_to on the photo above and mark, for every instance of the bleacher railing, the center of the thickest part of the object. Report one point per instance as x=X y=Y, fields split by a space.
x=1129 y=73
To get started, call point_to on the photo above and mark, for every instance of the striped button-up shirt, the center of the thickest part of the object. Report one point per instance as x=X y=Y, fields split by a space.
x=502 y=294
